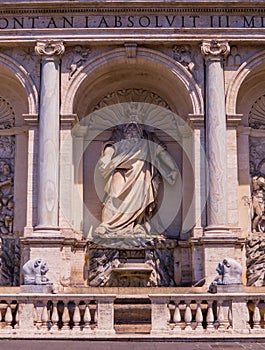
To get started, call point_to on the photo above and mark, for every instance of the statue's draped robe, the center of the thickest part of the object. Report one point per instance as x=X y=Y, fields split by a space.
x=132 y=181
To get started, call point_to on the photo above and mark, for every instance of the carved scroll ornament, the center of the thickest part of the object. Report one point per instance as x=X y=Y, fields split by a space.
x=49 y=48
x=214 y=49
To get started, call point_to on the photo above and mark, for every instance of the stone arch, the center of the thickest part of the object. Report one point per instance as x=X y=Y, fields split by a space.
x=21 y=75
x=18 y=96
x=172 y=74
x=247 y=69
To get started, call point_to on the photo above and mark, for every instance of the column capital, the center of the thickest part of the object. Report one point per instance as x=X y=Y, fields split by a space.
x=214 y=49
x=49 y=48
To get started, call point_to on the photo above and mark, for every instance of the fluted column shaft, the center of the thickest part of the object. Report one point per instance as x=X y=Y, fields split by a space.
x=214 y=53
x=48 y=157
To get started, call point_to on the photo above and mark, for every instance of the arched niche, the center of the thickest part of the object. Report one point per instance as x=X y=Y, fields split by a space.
x=149 y=71
x=243 y=95
x=251 y=89
x=18 y=96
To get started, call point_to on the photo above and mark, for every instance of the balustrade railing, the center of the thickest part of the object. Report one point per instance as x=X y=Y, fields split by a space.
x=49 y=315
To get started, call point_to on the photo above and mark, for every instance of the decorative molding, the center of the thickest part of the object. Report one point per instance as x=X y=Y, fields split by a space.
x=49 y=48
x=214 y=49
x=107 y=8
x=132 y=95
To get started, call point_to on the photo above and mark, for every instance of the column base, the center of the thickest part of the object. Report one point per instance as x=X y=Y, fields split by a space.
x=41 y=230
x=217 y=230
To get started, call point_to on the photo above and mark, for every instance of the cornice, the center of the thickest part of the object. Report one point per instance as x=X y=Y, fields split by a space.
x=64 y=7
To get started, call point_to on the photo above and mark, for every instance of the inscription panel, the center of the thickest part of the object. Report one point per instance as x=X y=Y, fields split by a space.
x=174 y=21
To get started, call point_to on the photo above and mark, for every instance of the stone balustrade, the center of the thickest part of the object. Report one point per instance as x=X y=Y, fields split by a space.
x=92 y=316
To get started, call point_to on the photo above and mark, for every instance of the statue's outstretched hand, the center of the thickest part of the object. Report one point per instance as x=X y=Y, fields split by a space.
x=171 y=177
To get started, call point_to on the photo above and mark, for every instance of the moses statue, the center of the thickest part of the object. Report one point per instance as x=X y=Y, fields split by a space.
x=133 y=163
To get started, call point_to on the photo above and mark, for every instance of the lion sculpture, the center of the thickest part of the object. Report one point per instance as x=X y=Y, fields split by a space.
x=230 y=272
x=34 y=272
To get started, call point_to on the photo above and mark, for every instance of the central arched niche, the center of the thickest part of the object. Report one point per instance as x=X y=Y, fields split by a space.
x=150 y=74
x=166 y=89
x=91 y=200
x=163 y=84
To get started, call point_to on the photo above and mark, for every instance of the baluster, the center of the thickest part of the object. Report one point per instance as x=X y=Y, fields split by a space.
x=55 y=317
x=256 y=316
x=177 y=318
x=230 y=317
x=17 y=318
x=44 y=317
x=65 y=318
x=96 y=315
x=199 y=317
x=220 y=324
x=76 y=317
x=188 y=318
x=168 y=314
x=210 y=317
x=87 y=318
x=8 y=317
x=37 y=315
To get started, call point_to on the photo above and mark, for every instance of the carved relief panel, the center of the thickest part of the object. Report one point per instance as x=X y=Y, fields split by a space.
x=9 y=250
x=255 y=245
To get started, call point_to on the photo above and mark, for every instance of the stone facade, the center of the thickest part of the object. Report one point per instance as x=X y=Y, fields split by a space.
x=67 y=69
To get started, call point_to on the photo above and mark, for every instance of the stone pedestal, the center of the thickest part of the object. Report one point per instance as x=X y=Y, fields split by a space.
x=160 y=315
x=105 y=314
x=215 y=249
x=64 y=257
x=240 y=317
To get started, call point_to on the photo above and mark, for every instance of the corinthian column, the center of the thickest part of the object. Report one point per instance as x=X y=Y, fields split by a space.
x=214 y=53
x=48 y=157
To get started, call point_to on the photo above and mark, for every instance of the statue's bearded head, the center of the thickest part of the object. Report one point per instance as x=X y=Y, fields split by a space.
x=132 y=131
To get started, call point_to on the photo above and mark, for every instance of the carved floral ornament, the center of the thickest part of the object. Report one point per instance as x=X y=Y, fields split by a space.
x=215 y=49
x=49 y=48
